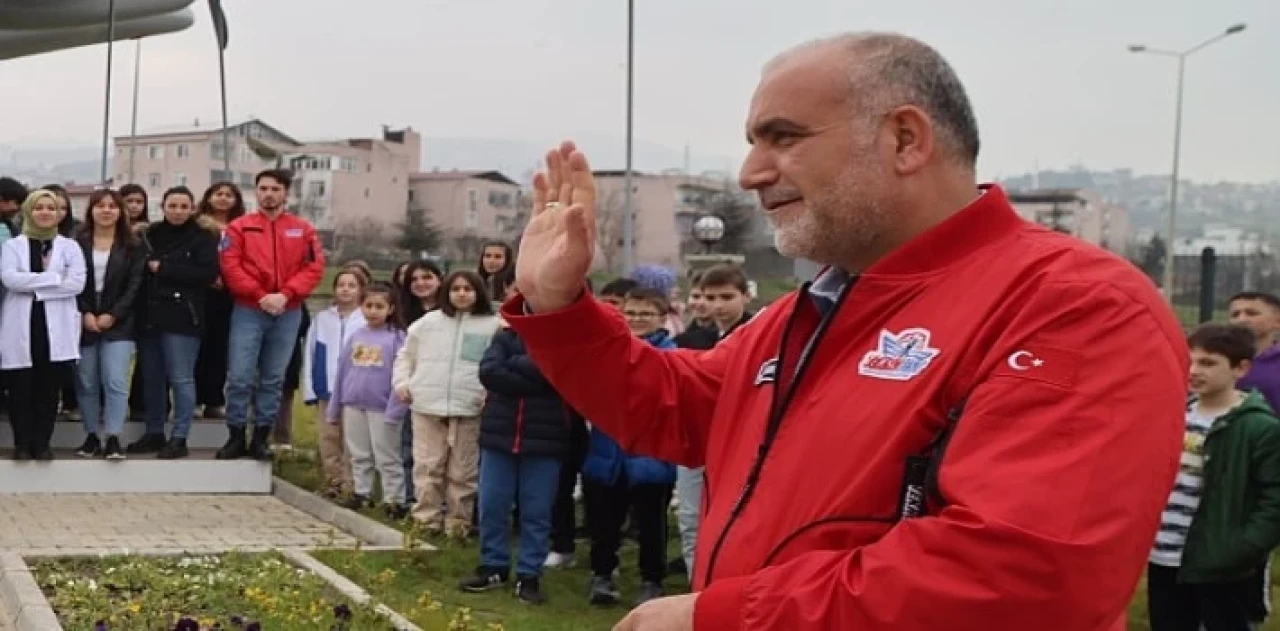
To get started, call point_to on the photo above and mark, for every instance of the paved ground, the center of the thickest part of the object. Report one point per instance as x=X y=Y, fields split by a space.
x=75 y=524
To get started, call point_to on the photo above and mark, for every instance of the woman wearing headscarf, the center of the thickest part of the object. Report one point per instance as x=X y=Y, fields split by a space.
x=44 y=273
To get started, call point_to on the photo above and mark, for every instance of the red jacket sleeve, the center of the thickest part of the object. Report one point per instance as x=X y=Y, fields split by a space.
x=301 y=285
x=654 y=403
x=239 y=282
x=1054 y=481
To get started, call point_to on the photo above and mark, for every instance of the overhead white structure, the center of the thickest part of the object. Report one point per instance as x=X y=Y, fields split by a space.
x=31 y=27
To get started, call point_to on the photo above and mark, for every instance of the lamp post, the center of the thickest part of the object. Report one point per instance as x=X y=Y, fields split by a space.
x=708 y=229
x=1181 y=56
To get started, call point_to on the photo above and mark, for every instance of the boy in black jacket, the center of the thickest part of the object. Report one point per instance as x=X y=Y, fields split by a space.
x=524 y=433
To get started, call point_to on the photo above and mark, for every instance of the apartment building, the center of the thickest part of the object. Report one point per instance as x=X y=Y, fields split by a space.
x=469 y=207
x=340 y=184
x=1079 y=212
x=195 y=156
x=664 y=207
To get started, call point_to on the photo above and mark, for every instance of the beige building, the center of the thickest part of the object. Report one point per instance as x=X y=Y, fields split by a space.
x=193 y=156
x=341 y=184
x=469 y=207
x=1078 y=212
x=665 y=207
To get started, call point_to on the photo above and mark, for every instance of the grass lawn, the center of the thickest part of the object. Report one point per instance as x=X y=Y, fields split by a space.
x=423 y=585
x=401 y=579
x=236 y=591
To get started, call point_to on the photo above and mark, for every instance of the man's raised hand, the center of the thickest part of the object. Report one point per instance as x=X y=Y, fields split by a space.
x=559 y=241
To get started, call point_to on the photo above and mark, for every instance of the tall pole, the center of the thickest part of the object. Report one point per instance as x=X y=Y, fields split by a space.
x=628 y=219
x=133 y=126
x=106 y=102
x=1171 y=229
x=1170 y=256
x=226 y=143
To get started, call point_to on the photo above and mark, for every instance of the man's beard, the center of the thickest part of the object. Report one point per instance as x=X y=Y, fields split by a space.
x=837 y=223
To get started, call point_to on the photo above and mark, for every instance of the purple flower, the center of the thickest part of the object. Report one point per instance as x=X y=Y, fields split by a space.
x=187 y=624
x=237 y=620
x=342 y=612
x=100 y=625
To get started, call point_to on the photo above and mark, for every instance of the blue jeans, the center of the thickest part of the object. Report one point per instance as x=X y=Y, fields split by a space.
x=169 y=362
x=536 y=479
x=103 y=377
x=261 y=346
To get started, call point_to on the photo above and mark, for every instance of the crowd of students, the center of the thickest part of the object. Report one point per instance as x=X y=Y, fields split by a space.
x=82 y=297
x=423 y=388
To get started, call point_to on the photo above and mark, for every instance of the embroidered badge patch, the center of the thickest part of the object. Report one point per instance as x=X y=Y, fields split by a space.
x=899 y=357
x=768 y=372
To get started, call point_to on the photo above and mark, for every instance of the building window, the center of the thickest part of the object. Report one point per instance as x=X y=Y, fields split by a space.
x=500 y=199
x=366 y=192
x=246 y=154
x=315 y=189
x=222 y=176
x=246 y=180
x=217 y=151
x=153 y=180
x=473 y=200
x=179 y=178
x=184 y=151
x=411 y=196
x=155 y=152
x=473 y=218
x=350 y=165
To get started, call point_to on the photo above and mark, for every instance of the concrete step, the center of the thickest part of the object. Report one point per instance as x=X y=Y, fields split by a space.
x=205 y=434
x=198 y=473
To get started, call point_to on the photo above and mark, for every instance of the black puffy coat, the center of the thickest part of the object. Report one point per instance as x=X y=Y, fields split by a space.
x=188 y=263
x=523 y=413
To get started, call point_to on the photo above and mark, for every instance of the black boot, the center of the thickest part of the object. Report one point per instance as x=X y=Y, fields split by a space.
x=235 y=447
x=174 y=449
x=260 y=448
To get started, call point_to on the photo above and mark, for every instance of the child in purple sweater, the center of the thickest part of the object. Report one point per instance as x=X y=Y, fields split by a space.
x=365 y=405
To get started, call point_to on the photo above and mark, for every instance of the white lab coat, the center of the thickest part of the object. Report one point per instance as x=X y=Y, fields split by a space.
x=57 y=287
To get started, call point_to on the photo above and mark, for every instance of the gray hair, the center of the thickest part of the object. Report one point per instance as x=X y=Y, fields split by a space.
x=887 y=70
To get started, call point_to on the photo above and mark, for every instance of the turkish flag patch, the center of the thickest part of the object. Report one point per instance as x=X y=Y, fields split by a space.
x=1039 y=362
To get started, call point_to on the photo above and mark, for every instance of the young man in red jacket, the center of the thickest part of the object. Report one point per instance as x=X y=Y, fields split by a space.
x=966 y=422
x=271 y=262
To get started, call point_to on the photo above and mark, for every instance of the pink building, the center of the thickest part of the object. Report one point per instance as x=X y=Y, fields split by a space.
x=469 y=207
x=193 y=156
x=341 y=184
x=665 y=207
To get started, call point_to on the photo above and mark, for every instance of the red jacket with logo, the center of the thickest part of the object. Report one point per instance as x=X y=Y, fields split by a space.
x=262 y=256
x=982 y=437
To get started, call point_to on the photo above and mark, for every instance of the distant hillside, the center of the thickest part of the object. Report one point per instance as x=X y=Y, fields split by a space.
x=1146 y=197
x=516 y=158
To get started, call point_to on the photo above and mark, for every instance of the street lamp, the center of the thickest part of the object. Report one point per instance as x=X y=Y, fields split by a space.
x=708 y=229
x=1181 y=56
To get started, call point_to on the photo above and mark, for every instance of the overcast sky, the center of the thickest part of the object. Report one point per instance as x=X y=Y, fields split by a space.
x=1052 y=87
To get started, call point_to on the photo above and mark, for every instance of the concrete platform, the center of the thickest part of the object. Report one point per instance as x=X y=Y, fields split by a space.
x=205 y=434
x=199 y=473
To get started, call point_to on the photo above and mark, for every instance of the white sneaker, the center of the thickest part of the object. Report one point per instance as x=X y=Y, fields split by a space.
x=558 y=560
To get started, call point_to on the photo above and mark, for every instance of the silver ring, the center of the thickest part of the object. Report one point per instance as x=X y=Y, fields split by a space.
x=552 y=206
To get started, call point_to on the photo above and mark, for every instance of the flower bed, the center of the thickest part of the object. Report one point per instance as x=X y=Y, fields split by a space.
x=227 y=592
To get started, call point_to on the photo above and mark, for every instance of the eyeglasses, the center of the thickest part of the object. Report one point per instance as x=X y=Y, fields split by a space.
x=640 y=315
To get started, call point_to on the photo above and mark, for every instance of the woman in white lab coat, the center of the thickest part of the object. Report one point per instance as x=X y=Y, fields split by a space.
x=43 y=273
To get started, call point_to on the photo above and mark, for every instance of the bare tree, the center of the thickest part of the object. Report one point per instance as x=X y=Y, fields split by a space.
x=610 y=212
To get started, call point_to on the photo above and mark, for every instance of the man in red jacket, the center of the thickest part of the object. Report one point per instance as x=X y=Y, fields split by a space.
x=271 y=262
x=966 y=422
